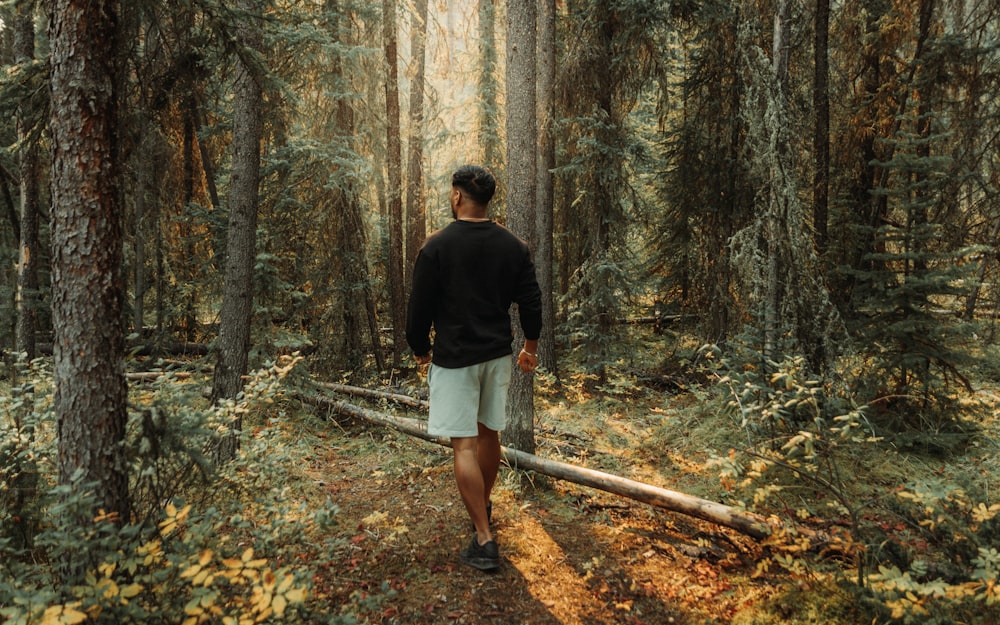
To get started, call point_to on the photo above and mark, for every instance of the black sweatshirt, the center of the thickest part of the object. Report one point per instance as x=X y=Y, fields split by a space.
x=465 y=278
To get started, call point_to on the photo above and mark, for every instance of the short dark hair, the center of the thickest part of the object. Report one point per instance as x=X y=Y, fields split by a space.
x=477 y=182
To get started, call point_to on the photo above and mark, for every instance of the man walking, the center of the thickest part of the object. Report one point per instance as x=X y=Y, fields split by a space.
x=465 y=279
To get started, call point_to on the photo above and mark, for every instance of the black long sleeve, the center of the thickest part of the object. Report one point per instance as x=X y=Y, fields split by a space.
x=465 y=279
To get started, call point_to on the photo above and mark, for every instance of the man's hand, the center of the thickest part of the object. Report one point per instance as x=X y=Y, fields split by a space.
x=423 y=360
x=527 y=361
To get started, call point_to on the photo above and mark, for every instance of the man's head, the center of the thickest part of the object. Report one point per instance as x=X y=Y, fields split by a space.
x=475 y=182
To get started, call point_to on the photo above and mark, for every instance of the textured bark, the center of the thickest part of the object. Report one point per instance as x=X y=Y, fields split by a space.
x=546 y=162
x=416 y=221
x=777 y=207
x=397 y=287
x=88 y=363
x=237 y=299
x=821 y=136
x=349 y=258
x=490 y=140
x=27 y=276
x=522 y=146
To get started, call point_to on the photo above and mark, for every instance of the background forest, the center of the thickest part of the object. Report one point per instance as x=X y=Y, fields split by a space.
x=787 y=211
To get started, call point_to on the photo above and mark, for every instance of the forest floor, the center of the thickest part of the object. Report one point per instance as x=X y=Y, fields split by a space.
x=570 y=555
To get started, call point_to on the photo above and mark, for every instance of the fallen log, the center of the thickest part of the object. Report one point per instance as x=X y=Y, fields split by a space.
x=147 y=376
x=744 y=522
x=368 y=393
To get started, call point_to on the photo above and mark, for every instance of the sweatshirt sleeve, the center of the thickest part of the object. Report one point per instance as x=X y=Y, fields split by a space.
x=420 y=311
x=529 y=300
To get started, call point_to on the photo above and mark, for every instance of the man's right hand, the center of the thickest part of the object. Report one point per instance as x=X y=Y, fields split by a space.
x=422 y=360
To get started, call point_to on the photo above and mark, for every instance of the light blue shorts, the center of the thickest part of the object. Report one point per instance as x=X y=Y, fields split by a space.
x=462 y=397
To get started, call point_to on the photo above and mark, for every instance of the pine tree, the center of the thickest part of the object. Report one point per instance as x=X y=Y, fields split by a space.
x=906 y=299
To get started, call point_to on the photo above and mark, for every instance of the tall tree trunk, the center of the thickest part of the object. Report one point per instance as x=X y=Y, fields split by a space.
x=237 y=298
x=351 y=256
x=546 y=64
x=777 y=206
x=88 y=349
x=522 y=148
x=416 y=221
x=27 y=277
x=821 y=136
x=142 y=181
x=490 y=142
x=397 y=288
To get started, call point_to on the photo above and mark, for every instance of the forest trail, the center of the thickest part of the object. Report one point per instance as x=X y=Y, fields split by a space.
x=571 y=555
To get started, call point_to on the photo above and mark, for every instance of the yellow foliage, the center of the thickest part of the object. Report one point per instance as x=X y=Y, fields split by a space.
x=174 y=518
x=63 y=615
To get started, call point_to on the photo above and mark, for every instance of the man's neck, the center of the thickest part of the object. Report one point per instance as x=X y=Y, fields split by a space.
x=472 y=212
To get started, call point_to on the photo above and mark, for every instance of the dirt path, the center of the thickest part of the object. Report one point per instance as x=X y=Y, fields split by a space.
x=571 y=556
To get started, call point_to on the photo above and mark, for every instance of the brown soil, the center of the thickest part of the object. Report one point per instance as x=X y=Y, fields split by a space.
x=570 y=555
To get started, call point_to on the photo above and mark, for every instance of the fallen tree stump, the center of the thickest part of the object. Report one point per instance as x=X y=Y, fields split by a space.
x=744 y=522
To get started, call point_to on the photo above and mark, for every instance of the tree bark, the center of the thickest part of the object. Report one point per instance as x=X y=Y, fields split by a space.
x=416 y=221
x=522 y=149
x=490 y=138
x=397 y=287
x=546 y=162
x=777 y=203
x=821 y=136
x=237 y=298
x=88 y=360
x=354 y=307
x=27 y=276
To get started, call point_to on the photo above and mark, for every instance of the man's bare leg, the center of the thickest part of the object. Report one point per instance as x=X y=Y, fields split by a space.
x=471 y=485
x=489 y=460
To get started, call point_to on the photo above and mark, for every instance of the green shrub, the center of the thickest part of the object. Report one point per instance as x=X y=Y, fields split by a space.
x=241 y=549
x=934 y=548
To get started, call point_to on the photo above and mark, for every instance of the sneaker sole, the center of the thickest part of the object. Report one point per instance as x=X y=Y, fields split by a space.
x=483 y=564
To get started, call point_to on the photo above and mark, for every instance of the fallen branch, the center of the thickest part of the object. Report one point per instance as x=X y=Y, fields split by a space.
x=368 y=393
x=741 y=521
x=146 y=376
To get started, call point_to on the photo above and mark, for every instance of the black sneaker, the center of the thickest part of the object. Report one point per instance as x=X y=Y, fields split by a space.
x=483 y=557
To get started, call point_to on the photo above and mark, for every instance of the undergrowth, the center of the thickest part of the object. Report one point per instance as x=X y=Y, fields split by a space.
x=918 y=550
x=862 y=527
x=228 y=544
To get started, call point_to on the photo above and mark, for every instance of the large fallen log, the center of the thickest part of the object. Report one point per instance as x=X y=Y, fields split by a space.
x=745 y=522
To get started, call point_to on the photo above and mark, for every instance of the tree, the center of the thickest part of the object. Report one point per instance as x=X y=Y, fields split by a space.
x=821 y=130
x=546 y=163
x=776 y=258
x=522 y=147
x=394 y=188
x=88 y=351
x=233 y=343
x=600 y=87
x=416 y=221
x=916 y=271
x=490 y=138
x=27 y=278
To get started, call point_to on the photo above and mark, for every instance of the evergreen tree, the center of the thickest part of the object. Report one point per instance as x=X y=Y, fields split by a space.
x=233 y=344
x=88 y=360
x=610 y=60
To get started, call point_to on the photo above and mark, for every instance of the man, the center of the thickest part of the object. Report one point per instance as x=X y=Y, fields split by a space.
x=465 y=279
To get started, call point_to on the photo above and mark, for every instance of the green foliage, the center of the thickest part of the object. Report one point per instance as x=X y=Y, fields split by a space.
x=795 y=432
x=240 y=551
x=909 y=285
x=938 y=562
x=26 y=451
x=951 y=567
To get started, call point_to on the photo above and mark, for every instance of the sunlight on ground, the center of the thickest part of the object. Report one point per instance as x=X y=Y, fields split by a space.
x=544 y=566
